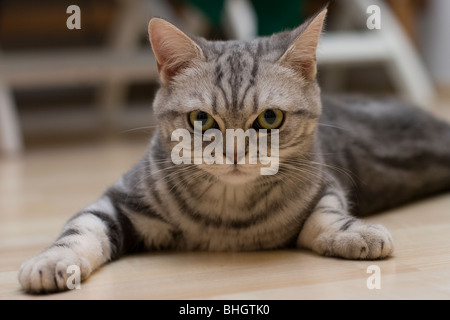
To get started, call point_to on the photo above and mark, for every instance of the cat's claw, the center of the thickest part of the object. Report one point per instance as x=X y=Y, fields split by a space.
x=363 y=241
x=50 y=272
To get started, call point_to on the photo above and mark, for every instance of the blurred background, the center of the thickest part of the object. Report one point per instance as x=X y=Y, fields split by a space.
x=62 y=87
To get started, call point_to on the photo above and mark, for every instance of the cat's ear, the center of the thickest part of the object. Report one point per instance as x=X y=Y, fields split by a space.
x=173 y=50
x=301 y=55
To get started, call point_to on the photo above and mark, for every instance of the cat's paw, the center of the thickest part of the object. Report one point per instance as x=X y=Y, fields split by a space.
x=362 y=241
x=49 y=271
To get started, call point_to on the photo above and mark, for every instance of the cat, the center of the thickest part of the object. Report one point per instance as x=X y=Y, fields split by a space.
x=340 y=158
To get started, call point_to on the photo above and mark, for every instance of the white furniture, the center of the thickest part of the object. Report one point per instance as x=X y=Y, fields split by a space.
x=114 y=66
x=389 y=46
x=10 y=134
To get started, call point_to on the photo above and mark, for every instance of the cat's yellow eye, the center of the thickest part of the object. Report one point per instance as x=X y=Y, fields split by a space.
x=269 y=119
x=206 y=119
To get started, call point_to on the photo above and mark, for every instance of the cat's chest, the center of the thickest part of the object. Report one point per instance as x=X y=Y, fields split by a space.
x=234 y=219
x=252 y=230
x=211 y=239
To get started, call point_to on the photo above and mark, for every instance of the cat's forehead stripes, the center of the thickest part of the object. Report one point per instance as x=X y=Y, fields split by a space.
x=235 y=70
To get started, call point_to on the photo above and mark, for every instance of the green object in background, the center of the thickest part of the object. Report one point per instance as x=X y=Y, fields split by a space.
x=212 y=9
x=273 y=16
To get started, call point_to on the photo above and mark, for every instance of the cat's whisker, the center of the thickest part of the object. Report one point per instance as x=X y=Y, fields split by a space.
x=310 y=169
x=176 y=171
x=176 y=175
x=343 y=171
x=137 y=129
x=350 y=175
x=301 y=169
x=332 y=126
x=320 y=153
x=304 y=175
x=294 y=179
x=196 y=174
x=153 y=173
x=298 y=175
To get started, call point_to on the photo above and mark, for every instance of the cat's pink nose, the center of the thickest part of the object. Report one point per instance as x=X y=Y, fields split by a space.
x=235 y=158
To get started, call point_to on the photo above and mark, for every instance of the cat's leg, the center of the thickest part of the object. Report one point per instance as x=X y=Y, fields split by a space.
x=94 y=236
x=331 y=231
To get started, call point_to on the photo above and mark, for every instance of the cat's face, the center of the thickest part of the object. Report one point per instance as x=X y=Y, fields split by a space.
x=268 y=83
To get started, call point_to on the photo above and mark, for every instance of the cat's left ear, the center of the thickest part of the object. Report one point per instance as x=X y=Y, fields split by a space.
x=174 y=50
x=301 y=55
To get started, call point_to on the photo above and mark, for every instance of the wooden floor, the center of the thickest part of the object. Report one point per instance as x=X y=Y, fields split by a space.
x=42 y=189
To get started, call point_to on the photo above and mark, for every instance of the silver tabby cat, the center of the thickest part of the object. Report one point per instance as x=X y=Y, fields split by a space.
x=338 y=158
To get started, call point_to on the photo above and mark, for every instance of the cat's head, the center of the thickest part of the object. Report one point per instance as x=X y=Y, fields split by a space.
x=266 y=83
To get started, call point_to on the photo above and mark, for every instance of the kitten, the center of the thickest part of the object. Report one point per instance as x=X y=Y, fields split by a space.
x=338 y=158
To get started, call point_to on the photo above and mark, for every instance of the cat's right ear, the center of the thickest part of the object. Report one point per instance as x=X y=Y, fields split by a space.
x=174 y=51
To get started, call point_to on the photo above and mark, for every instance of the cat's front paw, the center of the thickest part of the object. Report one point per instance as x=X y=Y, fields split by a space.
x=361 y=241
x=50 y=272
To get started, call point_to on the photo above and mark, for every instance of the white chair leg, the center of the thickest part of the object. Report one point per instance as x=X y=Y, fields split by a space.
x=241 y=20
x=124 y=38
x=407 y=69
x=10 y=134
x=405 y=66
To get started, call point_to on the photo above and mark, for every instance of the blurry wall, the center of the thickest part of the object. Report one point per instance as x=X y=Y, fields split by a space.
x=435 y=39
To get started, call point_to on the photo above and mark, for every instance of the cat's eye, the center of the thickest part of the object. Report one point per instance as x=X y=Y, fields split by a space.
x=269 y=119
x=206 y=119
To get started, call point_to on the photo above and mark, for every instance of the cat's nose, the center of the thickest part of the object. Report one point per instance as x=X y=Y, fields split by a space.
x=233 y=160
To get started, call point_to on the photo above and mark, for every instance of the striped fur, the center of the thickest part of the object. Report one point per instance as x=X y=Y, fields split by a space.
x=334 y=154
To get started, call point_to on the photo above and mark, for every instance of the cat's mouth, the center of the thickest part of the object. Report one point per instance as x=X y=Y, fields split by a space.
x=237 y=175
x=236 y=172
